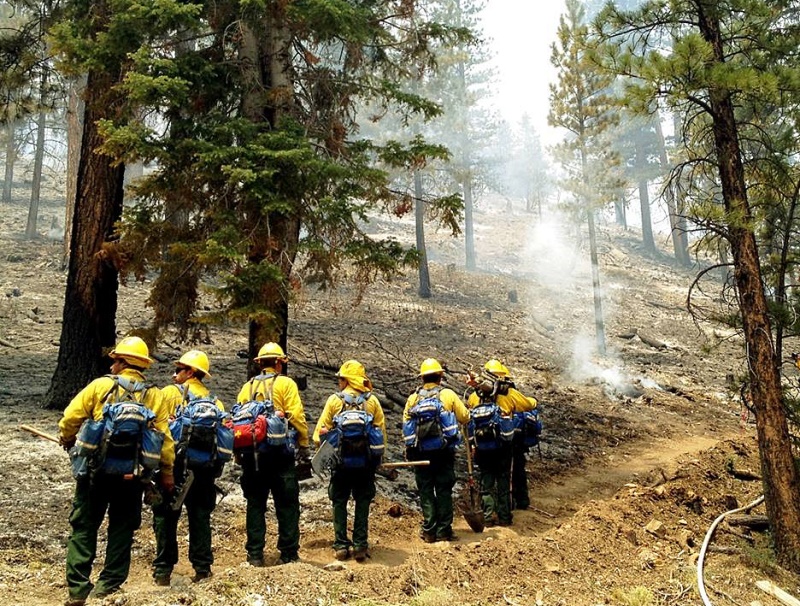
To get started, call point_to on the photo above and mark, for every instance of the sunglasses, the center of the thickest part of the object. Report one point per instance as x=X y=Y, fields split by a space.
x=180 y=369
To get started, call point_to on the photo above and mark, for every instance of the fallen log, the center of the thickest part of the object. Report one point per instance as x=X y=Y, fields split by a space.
x=753 y=522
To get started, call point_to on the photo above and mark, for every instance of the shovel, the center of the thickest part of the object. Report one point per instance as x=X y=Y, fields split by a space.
x=470 y=504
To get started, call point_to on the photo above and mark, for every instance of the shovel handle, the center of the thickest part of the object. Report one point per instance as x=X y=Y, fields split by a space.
x=39 y=433
x=405 y=464
x=468 y=449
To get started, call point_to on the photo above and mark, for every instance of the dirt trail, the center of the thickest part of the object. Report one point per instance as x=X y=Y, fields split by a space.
x=564 y=495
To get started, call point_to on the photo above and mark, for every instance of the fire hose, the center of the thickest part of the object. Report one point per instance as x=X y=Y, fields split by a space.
x=700 y=582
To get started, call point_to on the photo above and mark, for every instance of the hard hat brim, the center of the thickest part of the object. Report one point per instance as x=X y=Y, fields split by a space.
x=114 y=355
x=193 y=367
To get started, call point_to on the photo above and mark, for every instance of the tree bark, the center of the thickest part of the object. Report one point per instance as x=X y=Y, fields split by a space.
x=781 y=481
x=677 y=224
x=90 y=302
x=75 y=109
x=599 y=322
x=269 y=98
x=419 y=223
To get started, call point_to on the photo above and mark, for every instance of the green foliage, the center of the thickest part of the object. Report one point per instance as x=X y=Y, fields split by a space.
x=760 y=556
x=635 y=596
x=260 y=180
x=581 y=103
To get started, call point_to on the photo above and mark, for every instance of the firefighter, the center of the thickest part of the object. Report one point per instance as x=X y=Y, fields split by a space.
x=435 y=482
x=100 y=492
x=355 y=474
x=495 y=465
x=201 y=499
x=277 y=473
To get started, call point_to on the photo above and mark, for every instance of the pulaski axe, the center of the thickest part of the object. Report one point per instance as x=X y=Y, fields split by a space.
x=326 y=458
x=39 y=433
x=470 y=503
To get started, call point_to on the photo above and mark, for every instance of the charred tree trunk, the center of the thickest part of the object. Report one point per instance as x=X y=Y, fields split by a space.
x=781 y=481
x=599 y=322
x=620 y=217
x=90 y=302
x=419 y=223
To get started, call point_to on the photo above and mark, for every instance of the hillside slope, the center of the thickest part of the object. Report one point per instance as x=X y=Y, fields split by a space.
x=636 y=460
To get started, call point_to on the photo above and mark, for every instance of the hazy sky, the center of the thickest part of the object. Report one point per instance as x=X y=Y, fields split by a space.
x=520 y=33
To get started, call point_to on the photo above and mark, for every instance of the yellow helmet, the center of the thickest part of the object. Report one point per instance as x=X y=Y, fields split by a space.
x=271 y=350
x=496 y=367
x=430 y=367
x=195 y=359
x=133 y=350
x=355 y=374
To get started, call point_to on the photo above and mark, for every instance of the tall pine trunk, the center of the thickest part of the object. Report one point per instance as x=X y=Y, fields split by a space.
x=644 y=196
x=36 y=185
x=75 y=110
x=419 y=223
x=266 y=49
x=780 y=474
x=90 y=301
x=11 y=156
x=677 y=223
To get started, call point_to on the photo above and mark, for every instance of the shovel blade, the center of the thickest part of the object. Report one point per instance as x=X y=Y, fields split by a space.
x=471 y=509
x=475 y=520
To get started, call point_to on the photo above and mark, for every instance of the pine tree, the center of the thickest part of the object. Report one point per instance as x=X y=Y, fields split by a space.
x=254 y=136
x=580 y=103
x=726 y=55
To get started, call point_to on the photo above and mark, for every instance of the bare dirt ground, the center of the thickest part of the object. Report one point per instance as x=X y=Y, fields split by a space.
x=637 y=459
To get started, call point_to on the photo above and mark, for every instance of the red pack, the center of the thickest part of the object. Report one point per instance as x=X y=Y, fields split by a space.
x=249 y=426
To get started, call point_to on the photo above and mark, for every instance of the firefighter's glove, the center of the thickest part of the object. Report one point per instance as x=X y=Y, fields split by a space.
x=66 y=443
x=303 y=466
x=167 y=482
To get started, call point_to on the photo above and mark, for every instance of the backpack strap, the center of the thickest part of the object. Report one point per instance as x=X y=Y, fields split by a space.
x=259 y=380
x=351 y=403
x=132 y=388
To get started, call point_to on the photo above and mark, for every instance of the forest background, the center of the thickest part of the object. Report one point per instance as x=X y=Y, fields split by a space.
x=261 y=139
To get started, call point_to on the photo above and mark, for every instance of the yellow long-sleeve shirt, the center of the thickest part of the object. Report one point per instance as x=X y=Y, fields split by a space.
x=510 y=403
x=335 y=404
x=88 y=404
x=285 y=397
x=450 y=402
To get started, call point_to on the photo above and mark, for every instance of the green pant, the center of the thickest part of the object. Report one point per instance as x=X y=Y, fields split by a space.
x=360 y=484
x=495 y=471
x=435 y=485
x=519 y=476
x=275 y=474
x=122 y=499
x=200 y=502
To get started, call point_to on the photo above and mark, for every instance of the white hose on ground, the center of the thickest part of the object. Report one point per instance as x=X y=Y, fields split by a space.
x=700 y=583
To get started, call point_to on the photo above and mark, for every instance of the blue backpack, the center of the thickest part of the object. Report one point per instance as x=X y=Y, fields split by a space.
x=430 y=426
x=358 y=442
x=129 y=442
x=200 y=432
x=257 y=427
x=488 y=428
x=527 y=427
